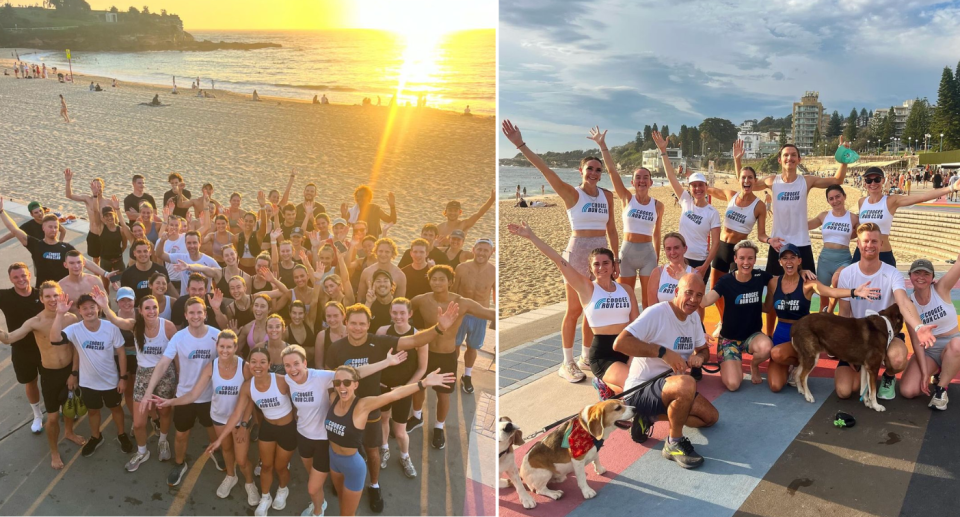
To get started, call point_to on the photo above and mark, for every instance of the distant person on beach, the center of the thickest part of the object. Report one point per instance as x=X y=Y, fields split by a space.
x=324 y=100
x=44 y=71
x=66 y=118
x=466 y=111
x=92 y=87
x=156 y=100
x=453 y=222
x=114 y=83
x=200 y=93
x=98 y=88
x=543 y=190
x=316 y=100
x=378 y=100
x=256 y=96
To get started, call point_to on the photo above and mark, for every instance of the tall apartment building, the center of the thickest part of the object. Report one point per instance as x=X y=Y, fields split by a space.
x=900 y=114
x=808 y=115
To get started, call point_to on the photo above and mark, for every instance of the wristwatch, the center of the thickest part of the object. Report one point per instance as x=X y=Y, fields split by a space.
x=124 y=376
x=75 y=373
x=245 y=425
x=661 y=353
x=437 y=328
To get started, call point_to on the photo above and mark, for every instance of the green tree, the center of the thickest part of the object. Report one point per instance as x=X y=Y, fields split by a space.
x=816 y=139
x=665 y=131
x=720 y=132
x=133 y=10
x=146 y=10
x=918 y=122
x=7 y=15
x=647 y=132
x=783 y=136
x=654 y=128
x=835 y=126
x=863 y=114
x=850 y=132
x=889 y=128
x=114 y=9
x=639 y=139
x=947 y=115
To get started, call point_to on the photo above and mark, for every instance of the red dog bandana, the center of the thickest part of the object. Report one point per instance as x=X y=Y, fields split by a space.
x=577 y=439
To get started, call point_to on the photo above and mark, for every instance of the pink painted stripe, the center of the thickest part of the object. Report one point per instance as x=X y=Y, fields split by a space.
x=479 y=499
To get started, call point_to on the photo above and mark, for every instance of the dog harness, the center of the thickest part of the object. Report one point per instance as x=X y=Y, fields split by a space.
x=578 y=439
x=890 y=333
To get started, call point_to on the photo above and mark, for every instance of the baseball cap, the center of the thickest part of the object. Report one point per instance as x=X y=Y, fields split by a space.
x=458 y=234
x=125 y=293
x=697 y=176
x=922 y=265
x=789 y=248
x=339 y=220
x=484 y=240
x=873 y=170
x=33 y=206
x=84 y=298
x=382 y=272
x=297 y=232
x=453 y=204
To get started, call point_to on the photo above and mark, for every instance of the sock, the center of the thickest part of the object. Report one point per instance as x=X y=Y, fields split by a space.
x=567 y=355
x=374 y=485
x=418 y=414
x=385 y=447
x=142 y=449
x=37 y=411
x=438 y=425
x=467 y=371
x=163 y=437
x=404 y=455
x=584 y=350
x=671 y=440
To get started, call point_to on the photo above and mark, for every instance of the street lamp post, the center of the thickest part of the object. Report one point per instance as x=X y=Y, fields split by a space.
x=926 y=142
x=941 y=142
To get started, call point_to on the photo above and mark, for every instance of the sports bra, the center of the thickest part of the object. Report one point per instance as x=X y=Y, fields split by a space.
x=668 y=285
x=226 y=392
x=589 y=213
x=607 y=308
x=217 y=246
x=877 y=213
x=272 y=403
x=791 y=306
x=740 y=219
x=341 y=430
x=837 y=230
x=640 y=219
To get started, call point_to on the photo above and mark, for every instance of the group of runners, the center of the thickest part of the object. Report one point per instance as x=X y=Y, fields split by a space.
x=630 y=339
x=278 y=325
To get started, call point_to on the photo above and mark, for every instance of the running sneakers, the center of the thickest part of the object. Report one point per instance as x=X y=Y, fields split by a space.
x=384 y=456
x=603 y=390
x=886 y=390
x=176 y=474
x=125 y=444
x=256 y=470
x=264 y=506
x=940 y=399
x=583 y=362
x=641 y=429
x=92 y=445
x=792 y=376
x=226 y=486
x=376 y=499
x=218 y=461
x=408 y=469
x=413 y=423
x=682 y=452
x=466 y=384
x=309 y=511
x=439 y=439
x=570 y=372
x=137 y=460
x=280 y=501
x=164 y=447
x=37 y=426
x=253 y=495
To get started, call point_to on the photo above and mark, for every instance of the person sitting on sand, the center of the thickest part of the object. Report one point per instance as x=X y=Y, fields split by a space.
x=466 y=110
x=316 y=100
x=174 y=91
x=324 y=100
x=256 y=96
x=98 y=88
x=156 y=100
x=91 y=86
x=200 y=93
x=114 y=83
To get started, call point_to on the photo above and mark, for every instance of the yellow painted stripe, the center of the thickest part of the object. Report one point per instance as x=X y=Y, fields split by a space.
x=176 y=508
x=425 y=460
x=464 y=444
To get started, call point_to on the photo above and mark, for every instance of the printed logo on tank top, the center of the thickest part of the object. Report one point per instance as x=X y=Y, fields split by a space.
x=683 y=343
x=867 y=215
x=837 y=227
x=668 y=288
x=933 y=314
x=153 y=350
x=613 y=303
x=94 y=345
x=303 y=396
x=51 y=255
x=335 y=428
x=787 y=305
x=200 y=354
x=360 y=361
x=793 y=195
x=734 y=215
x=227 y=390
x=594 y=208
x=697 y=219
x=747 y=298
x=643 y=215
x=268 y=402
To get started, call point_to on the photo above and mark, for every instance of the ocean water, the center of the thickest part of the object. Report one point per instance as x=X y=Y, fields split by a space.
x=346 y=65
x=531 y=179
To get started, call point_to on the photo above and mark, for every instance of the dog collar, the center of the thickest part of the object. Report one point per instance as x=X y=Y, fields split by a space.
x=509 y=449
x=890 y=334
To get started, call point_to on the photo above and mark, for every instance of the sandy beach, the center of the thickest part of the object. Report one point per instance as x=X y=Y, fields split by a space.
x=528 y=280
x=239 y=145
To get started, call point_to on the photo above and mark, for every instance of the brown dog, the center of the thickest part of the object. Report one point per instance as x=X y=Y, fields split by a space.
x=510 y=436
x=858 y=341
x=570 y=446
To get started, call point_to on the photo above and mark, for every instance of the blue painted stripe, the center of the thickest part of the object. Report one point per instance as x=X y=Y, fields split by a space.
x=755 y=427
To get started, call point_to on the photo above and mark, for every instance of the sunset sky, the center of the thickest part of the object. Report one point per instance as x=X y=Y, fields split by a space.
x=405 y=16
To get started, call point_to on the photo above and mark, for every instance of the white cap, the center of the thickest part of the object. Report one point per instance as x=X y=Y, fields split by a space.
x=696 y=176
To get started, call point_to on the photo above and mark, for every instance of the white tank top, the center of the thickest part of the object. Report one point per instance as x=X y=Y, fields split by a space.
x=837 y=230
x=312 y=402
x=167 y=309
x=607 y=308
x=740 y=219
x=589 y=213
x=668 y=285
x=640 y=219
x=153 y=347
x=272 y=403
x=936 y=312
x=226 y=392
x=790 y=211
x=877 y=213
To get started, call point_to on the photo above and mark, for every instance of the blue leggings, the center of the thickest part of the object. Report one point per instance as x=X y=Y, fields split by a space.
x=352 y=467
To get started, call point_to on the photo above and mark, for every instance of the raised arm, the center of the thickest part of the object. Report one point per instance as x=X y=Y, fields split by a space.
x=567 y=192
x=472 y=220
x=948 y=280
x=445 y=319
x=434 y=378
x=737 y=157
x=68 y=178
x=101 y=298
x=573 y=277
x=623 y=193
x=13 y=336
x=392 y=359
x=391 y=217
x=12 y=226
x=286 y=191
x=837 y=179
x=903 y=201
x=667 y=165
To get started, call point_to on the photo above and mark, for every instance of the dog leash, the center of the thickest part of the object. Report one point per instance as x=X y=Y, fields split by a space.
x=620 y=396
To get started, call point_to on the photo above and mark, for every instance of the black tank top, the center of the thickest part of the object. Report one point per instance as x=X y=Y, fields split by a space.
x=791 y=306
x=286 y=275
x=111 y=244
x=243 y=316
x=398 y=375
x=223 y=284
x=340 y=429
x=455 y=261
x=267 y=286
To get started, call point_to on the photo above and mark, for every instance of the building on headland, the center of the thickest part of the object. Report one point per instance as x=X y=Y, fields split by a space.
x=767 y=148
x=900 y=114
x=748 y=125
x=808 y=117
x=751 y=143
x=652 y=162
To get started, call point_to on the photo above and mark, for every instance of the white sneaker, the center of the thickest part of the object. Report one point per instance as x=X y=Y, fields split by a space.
x=256 y=470
x=280 y=501
x=309 y=511
x=164 y=447
x=939 y=400
x=37 y=425
x=226 y=486
x=384 y=456
x=583 y=362
x=264 y=505
x=137 y=460
x=253 y=494
x=792 y=376
x=570 y=372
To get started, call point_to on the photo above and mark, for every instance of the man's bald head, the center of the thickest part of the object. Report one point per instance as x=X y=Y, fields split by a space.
x=690 y=290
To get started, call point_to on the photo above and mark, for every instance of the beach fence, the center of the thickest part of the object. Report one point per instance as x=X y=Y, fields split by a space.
x=934 y=232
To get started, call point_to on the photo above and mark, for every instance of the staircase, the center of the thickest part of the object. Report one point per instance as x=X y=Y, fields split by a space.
x=931 y=234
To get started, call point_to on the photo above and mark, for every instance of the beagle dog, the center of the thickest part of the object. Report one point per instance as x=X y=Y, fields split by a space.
x=570 y=447
x=511 y=436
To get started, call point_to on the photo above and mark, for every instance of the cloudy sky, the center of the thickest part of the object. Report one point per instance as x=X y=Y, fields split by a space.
x=566 y=65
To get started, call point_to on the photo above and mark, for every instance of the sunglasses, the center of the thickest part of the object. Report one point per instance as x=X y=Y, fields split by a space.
x=878 y=179
x=346 y=383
